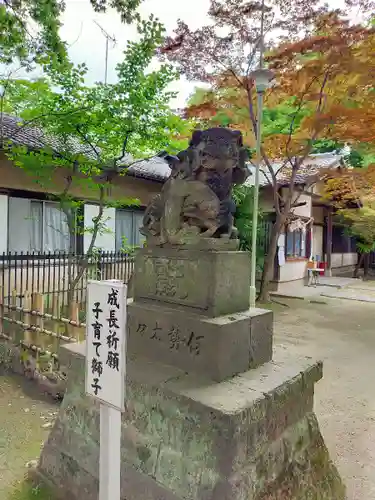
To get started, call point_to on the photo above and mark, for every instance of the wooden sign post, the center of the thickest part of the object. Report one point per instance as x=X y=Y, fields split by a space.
x=105 y=374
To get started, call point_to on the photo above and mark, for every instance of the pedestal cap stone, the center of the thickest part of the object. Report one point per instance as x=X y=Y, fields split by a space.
x=212 y=283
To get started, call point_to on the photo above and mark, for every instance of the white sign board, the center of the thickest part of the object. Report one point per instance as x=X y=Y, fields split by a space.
x=106 y=342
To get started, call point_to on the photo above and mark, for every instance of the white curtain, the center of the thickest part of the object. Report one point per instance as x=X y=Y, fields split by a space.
x=56 y=229
x=124 y=228
x=36 y=226
x=128 y=224
x=19 y=230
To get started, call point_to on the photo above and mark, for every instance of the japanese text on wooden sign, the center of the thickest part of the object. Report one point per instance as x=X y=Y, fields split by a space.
x=106 y=342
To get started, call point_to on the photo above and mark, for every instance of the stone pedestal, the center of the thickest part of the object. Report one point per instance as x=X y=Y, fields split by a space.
x=216 y=347
x=209 y=415
x=191 y=310
x=185 y=437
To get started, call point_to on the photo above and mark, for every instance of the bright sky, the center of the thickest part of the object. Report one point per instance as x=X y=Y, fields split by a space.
x=87 y=43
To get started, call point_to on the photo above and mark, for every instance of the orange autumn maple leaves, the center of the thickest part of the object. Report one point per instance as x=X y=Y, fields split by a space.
x=351 y=187
x=329 y=79
x=352 y=193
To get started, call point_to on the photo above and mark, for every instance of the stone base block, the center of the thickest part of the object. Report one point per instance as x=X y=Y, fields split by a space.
x=215 y=347
x=184 y=437
x=209 y=283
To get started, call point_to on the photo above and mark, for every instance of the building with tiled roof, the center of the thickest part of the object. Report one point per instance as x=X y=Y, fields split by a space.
x=32 y=222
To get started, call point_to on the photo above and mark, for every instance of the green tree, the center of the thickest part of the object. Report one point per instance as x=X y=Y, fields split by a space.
x=89 y=132
x=243 y=196
x=29 y=29
x=352 y=193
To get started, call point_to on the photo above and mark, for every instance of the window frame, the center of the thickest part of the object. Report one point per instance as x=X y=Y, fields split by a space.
x=133 y=230
x=43 y=203
x=303 y=237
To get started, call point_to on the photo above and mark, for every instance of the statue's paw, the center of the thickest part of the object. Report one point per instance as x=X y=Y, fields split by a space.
x=210 y=232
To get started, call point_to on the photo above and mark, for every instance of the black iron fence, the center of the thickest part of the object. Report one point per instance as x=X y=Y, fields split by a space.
x=60 y=278
x=265 y=230
x=43 y=304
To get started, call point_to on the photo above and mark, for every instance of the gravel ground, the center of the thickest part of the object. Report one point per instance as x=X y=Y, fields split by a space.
x=342 y=334
x=25 y=421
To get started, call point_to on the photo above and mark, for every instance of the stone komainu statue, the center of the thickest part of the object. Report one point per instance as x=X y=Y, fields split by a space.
x=196 y=200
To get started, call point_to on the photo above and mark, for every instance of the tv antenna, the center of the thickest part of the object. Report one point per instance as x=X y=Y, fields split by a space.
x=108 y=38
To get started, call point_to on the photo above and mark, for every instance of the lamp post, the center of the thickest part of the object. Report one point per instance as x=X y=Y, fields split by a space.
x=262 y=78
x=2 y=95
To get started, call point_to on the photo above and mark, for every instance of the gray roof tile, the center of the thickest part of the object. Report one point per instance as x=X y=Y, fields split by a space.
x=155 y=169
x=13 y=129
x=309 y=169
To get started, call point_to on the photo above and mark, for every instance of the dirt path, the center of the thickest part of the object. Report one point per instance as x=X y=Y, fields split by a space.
x=342 y=334
x=25 y=420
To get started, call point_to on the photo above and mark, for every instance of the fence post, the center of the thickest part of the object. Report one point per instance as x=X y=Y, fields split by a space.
x=56 y=324
x=38 y=305
x=1 y=310
x=27 y=318
x=74 y=316
x=13 y=313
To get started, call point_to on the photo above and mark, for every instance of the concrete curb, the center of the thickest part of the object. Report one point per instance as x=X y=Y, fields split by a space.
x=318 y=300
x=355 y=299
x=286 y=296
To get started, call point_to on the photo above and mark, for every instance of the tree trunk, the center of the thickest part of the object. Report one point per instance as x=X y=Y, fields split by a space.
x=268 y=269
x=82 y=264
x=71 y=216
x=358 y=265
x=366 y=265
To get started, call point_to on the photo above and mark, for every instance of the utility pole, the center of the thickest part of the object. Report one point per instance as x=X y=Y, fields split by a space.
x=108 y=38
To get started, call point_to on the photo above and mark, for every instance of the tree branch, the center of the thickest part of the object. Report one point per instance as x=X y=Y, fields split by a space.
x=298 y=161
x=291 y=128
x=124 y=146
x=85 y=138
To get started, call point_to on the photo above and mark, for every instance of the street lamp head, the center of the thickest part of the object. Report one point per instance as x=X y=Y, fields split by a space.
x=262 y=79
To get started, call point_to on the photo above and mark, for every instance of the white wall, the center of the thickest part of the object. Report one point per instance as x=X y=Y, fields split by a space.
x=317 y=242
x=107 y=240
x=318 y=214
x=266 y=201
x=3 y=223
x=343 y=259
x=293 y=270
x=304 y=210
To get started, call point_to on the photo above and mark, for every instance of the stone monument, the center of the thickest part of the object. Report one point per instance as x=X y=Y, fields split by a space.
x=211 y=414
